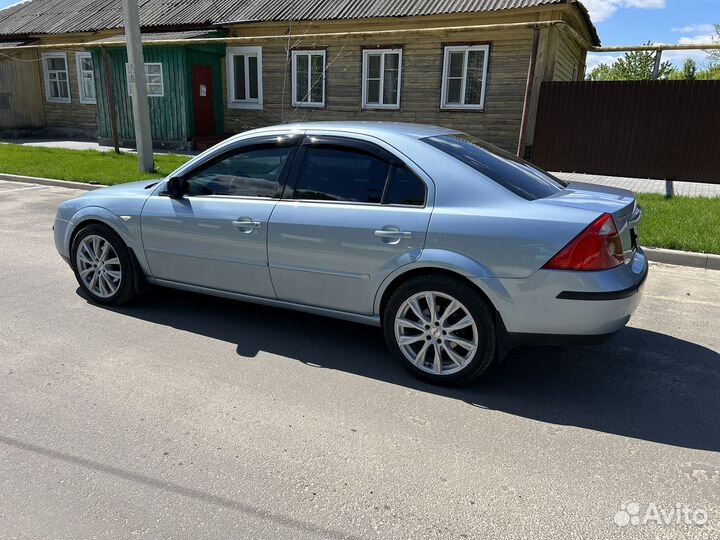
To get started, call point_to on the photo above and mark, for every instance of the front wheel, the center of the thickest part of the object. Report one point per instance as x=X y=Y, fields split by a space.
x=102 y=265
x=440 y=329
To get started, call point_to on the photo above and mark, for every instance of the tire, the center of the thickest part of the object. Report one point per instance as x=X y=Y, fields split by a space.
x=466 y=350
x=114 y=276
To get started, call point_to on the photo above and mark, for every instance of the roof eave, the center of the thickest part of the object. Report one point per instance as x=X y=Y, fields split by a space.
x=594 y=36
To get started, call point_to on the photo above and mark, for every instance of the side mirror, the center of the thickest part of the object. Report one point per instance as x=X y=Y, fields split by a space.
x=177 y=187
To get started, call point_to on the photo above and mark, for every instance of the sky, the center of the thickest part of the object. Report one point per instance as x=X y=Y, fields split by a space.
x=635 y=22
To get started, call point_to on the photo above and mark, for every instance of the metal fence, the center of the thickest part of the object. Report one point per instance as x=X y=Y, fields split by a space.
x=645 y=129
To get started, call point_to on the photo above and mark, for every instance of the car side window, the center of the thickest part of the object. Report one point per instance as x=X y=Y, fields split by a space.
x=254 y=171
x=336 y=173
x=404 y=188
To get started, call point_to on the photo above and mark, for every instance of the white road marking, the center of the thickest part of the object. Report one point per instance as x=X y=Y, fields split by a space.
x=21 y=189
x=681 y=300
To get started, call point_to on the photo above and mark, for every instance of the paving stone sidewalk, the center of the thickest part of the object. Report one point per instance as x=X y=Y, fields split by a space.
x=641 y=185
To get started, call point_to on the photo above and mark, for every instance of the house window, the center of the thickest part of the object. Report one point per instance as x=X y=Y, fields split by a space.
x=244 y=76
x=308 y=75
x=381 y=79
x=465 y=77
x=86 y=77
x=57 y=83
x=153 y=79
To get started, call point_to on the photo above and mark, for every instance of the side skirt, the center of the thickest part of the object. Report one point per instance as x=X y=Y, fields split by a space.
x=335 y=314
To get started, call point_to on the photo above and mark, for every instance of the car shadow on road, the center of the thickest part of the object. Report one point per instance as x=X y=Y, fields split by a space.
x=640 y=384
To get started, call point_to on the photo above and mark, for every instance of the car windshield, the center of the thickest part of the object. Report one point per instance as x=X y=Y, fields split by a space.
x=517 y=175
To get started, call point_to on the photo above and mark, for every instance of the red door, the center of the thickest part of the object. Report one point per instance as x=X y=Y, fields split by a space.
x=203 y=105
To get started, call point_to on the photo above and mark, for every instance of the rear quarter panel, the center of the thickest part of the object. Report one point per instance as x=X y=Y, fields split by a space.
x=511 y=240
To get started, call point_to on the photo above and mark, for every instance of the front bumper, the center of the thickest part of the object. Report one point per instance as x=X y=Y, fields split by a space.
x=60 y=234
x=577 y=306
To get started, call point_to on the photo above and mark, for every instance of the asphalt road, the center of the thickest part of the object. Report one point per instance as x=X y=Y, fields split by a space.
x=191 y=417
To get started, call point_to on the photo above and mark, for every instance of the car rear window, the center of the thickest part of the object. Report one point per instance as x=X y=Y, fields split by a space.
x=514 y=174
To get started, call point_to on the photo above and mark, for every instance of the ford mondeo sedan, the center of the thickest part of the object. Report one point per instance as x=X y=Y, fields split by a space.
x=457 y=249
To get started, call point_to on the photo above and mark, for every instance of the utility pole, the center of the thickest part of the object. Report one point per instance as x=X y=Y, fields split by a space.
x=138 y=90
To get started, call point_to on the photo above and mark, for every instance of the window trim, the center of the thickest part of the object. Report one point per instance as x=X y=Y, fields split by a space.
x=354 y=145
x=248 y=103
x=365 y=65
x=78 y=63
x=245 y=146
x=309 y=53
x=46 y=76
x=162 y=79
x=444 y=105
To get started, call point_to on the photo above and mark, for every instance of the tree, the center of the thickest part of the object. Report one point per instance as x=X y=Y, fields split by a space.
x=603 y=72
x=712 y=73
x=714 y=54
x=689 y=70
x=634 y=66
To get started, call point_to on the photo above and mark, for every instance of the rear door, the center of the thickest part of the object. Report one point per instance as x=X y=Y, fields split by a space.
x=352 y=212
x=216 y=236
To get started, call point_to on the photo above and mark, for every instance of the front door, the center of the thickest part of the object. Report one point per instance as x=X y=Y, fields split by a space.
x=351 y=214
x=203 y=104
x=216 y=236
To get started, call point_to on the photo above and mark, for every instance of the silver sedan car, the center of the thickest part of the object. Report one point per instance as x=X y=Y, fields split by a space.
x=457 y=249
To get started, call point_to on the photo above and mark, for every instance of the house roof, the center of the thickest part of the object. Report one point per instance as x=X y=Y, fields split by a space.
x=63 y=16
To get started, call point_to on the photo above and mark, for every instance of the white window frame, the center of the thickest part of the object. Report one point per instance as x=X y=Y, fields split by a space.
x=295 y=98
x=149 y=94
x=78 y=62
x=46 y=73
x=382 y=53
x=249 y=103
x=446 y=68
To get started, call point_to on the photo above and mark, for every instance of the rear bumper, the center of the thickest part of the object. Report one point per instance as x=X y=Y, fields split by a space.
x=565 y=306
x=557 y=340
x=601 y=296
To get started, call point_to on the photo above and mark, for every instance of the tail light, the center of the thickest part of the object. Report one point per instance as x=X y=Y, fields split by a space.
x=596 y=248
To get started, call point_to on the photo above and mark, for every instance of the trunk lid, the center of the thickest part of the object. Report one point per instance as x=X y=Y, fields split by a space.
x=620 y=203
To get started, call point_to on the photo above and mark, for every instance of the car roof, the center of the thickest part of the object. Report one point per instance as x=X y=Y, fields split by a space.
x=415 y=131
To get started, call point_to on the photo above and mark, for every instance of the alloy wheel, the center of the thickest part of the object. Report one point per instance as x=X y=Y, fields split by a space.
x=98 y=266
x=436 y=332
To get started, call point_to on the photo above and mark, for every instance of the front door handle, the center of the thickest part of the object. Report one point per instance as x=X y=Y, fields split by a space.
x=392 y=235
x=246 y=224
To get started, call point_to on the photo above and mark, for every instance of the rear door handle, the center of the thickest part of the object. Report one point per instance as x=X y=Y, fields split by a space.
x=246 y=224
x=392 y=235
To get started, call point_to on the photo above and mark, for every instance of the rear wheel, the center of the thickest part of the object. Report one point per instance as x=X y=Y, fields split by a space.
x=440 y=329
x=102 y=265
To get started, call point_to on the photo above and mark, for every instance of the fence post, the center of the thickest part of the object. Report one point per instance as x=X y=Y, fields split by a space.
x=656 y=68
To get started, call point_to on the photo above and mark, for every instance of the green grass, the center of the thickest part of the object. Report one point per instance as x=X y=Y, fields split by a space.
x=89 y=166
x=684 y=223
x=688 y=224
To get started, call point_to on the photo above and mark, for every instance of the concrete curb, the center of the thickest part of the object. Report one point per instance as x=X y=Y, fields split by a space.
x=49 y=182
x=683 y=258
